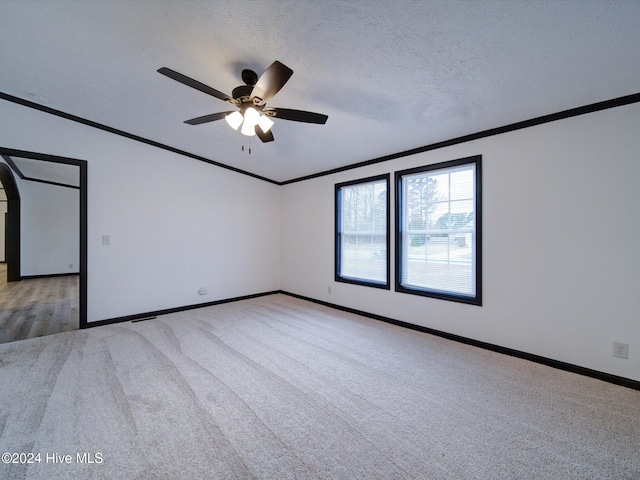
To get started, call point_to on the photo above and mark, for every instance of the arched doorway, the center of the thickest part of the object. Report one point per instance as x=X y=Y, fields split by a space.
x=12 y=224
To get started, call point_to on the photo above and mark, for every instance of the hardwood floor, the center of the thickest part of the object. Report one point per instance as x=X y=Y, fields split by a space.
x=37 y=307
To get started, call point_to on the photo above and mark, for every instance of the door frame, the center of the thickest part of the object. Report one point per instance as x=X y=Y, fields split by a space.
x=6 y=174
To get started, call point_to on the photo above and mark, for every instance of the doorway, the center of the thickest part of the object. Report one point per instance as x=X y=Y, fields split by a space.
x=11 y=221
x=41 y=175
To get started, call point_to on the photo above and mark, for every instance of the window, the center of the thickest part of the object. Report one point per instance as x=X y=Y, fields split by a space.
x=362 y=232
x=438 y=230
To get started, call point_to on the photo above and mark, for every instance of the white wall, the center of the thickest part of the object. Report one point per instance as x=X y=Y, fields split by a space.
x=176 y=224
x=49 y=229
x=561 y=267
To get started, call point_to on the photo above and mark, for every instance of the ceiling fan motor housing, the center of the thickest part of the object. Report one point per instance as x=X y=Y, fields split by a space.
x=242 y=93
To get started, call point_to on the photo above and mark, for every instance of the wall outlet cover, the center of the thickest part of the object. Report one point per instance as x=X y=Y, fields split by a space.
x=621 y=350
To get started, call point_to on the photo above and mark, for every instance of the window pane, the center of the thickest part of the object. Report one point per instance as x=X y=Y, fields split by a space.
x=365 y=257
x=437 y=230
x=362 y=231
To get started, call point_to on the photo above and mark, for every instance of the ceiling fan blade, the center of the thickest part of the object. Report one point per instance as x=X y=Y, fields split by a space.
x=270 y=82
x=190 y=82
x=296 y=115
x=207 y=118
x=265 y=137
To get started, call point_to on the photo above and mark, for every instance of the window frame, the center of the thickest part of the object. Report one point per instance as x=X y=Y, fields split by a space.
x=338 y=233
x=476 y=299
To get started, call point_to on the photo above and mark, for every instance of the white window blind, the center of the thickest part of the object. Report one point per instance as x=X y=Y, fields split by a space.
x=362 y=231
x=438 y=237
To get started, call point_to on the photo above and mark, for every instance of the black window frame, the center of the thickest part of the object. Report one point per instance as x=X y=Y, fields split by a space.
x=399 y=175
x=338 y=233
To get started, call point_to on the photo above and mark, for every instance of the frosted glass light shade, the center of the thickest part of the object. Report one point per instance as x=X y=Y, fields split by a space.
x=248 y=129
x=265 y=123
x=234 y=120
x=251 y=116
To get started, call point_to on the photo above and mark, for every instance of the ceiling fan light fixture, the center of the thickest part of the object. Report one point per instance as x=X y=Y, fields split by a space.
x=234 y=120
x=265 y=123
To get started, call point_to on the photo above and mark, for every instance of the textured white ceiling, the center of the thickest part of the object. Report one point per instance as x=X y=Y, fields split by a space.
x=391 y=75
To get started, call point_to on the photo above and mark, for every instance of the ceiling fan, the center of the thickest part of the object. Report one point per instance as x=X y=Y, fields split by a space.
x=253 y=116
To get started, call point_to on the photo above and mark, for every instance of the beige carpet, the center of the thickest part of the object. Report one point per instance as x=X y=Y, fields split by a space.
x=276 y=388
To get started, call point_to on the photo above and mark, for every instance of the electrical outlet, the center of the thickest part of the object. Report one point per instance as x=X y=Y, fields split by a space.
x=329 y=290
x=621 y=350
